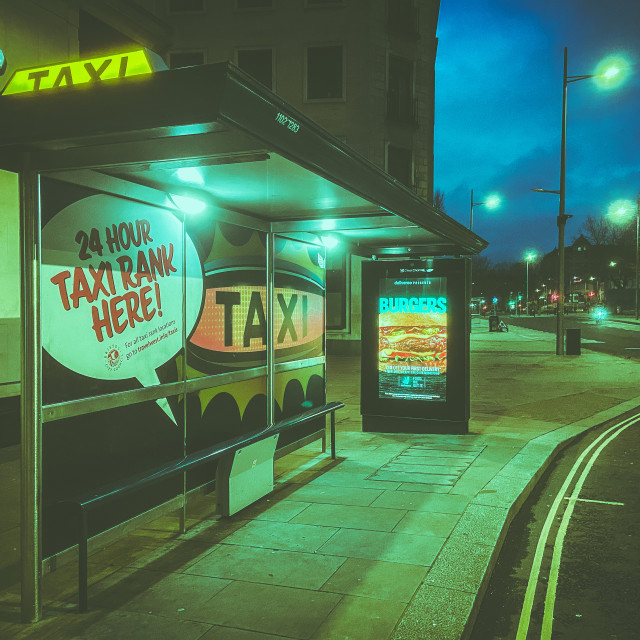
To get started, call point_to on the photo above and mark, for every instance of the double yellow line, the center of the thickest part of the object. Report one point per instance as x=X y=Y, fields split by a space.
x=547 y=621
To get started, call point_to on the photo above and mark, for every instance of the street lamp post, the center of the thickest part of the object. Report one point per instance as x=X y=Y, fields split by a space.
x=637 y=254
x=491 y=202
x=529 y=258
x=610 y=74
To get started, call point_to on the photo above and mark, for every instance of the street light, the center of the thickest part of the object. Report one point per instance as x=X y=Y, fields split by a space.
x=491 y=202
x=609 y=73
x=622 y=209
x=530 y=257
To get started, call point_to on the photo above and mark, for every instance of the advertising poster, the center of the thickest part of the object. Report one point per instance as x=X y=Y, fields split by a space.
x=412 y=338
x=415 y=346
x=131 y=297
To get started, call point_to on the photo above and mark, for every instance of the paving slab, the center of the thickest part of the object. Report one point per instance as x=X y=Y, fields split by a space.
x=394 y=547
x=376 y=579
x=295 y=613
x=281 y=535
x=350 y=517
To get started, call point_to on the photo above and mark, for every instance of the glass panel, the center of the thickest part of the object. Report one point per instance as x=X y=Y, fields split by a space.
x=112 y=289
x=336 y=290
x=231 y=331
x=221 y=413
x=88 y=452
x=299 y=300
x=297 y=391
x=299 y=319
x=412 y=334
x=10 y=286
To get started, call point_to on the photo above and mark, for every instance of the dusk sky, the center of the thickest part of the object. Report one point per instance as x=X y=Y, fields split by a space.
x=498 y=115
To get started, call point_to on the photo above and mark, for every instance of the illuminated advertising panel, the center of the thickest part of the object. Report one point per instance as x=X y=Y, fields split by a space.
x=412 y=333
x=415 y=346
x=91 y=70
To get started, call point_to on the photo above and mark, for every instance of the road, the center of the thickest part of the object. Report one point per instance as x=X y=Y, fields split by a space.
x=570 y=565
x=615 y=337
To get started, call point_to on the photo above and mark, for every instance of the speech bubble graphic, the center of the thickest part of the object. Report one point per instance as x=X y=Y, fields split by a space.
x=112 y=288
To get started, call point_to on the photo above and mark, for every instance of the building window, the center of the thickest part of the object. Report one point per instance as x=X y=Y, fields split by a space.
x=185 y=59
x=400 y=164
x=186 y=6
x=258 y=63
x=325 y=73
x=401 y=103
x=254 y=4
x=403 y=18
x=336 y=282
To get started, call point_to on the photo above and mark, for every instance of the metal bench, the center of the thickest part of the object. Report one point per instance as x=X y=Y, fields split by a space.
x=86 y=502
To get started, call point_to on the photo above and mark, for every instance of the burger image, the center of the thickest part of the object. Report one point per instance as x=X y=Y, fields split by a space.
x=418 y=340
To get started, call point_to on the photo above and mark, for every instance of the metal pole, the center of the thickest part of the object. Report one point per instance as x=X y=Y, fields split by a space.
x=527 y=302
x=562 y=218
x=471 y=216
x=182 y=520
x=637 y=233
x=271 y=356
x=470 y=262
x=31 y=398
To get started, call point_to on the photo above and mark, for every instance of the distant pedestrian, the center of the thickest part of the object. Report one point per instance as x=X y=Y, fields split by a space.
x=533 y=312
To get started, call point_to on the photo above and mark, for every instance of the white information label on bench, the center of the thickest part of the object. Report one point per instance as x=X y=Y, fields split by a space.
x=245 y=476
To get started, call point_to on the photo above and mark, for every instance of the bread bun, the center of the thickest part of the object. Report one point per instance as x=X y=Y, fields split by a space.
x=391 y=319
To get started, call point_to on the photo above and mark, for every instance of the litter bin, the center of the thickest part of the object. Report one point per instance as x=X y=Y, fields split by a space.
x=494 y=322
x=573 y=342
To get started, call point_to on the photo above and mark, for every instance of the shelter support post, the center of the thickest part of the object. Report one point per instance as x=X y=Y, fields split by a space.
x=271 y=356
x=31 y=399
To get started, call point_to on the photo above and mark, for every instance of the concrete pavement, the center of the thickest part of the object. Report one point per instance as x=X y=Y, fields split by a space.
x=394 y=540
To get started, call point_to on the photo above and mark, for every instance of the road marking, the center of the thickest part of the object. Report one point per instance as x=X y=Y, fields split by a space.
x=632 y=348
x=527 y=606
x=550 y=600
x=617 y=504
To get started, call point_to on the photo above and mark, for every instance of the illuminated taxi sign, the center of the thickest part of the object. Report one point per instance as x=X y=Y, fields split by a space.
x=67 y=74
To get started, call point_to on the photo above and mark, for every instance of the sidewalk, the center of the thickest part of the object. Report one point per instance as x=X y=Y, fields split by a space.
x=394 y=540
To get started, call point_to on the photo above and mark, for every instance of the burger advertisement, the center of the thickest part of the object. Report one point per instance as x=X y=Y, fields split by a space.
x=415 y=373
x=412 y=339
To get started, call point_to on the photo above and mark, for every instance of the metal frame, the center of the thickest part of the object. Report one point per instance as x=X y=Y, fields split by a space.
x=31 y=399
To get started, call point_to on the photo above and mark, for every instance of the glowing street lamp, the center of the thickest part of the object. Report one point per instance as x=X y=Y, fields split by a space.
x=609 y=73
x=529 y=257
x=491 y=202
x=622 y=210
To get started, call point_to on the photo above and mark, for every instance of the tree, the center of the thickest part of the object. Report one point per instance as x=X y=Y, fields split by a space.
x=438 y=201
x=603 y=231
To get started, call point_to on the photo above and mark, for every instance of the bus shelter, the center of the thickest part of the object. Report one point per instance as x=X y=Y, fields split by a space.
x=173 y=228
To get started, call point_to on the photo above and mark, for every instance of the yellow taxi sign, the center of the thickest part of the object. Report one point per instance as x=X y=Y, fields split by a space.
x=68 y=74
